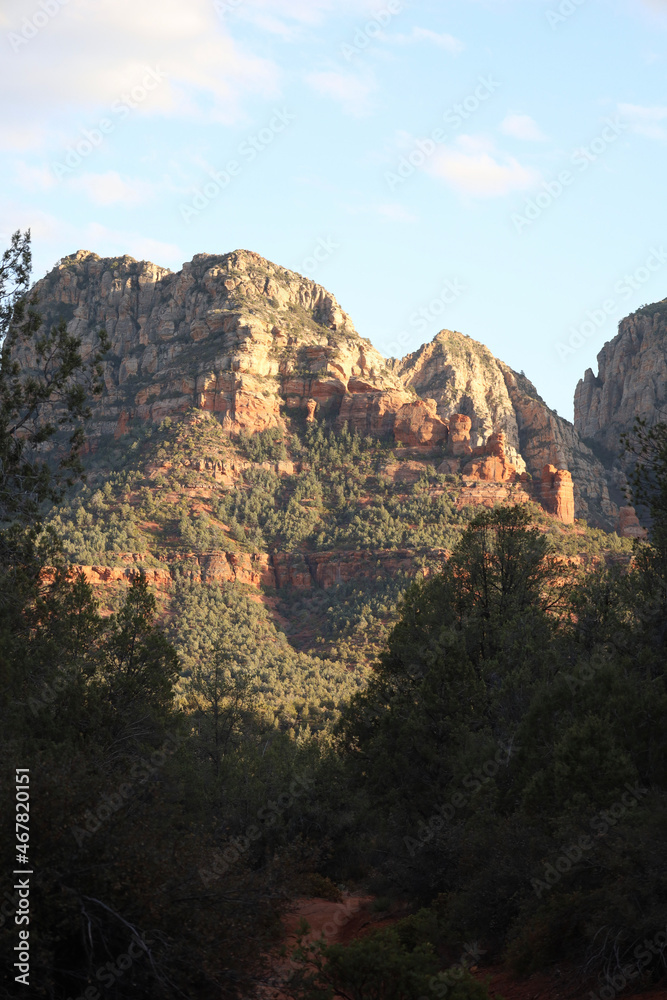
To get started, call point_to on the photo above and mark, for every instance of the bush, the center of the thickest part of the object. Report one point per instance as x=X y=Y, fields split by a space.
x=394 y=963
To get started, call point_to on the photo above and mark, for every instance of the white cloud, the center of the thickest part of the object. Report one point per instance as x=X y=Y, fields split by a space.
x=395 y=213
x=288 y=19
x=351 y=90
x=441 y=39
x=19 y=137
x=312 y=11
x=55 y=237
x=472 y=168
x=475 y=143
x=645 y=121
x=33 y=178
x=92 y=51
x=109 y=242
x=112 y=189
x=522 y=127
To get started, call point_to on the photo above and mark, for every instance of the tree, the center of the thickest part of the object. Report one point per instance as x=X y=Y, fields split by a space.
x=223 y=703
x=44 y=389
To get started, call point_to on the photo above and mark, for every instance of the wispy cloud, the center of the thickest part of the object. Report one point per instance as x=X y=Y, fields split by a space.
x=441 y=39
x=112 y=189
x=472 y=166
x=107 y=242
x=353 y=91
x=646 y=121
x=65 y=237
x=522 y=127
x=392 y=211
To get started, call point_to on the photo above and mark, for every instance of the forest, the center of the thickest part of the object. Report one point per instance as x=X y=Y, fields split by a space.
x=491 y=768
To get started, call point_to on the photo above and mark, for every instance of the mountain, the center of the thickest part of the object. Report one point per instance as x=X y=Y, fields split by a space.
x=256 y=344
x=278 y=481
x=631 y=382
x=463 y=376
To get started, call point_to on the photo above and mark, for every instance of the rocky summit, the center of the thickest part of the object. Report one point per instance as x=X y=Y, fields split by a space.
x=259 y=346
x=266 y=468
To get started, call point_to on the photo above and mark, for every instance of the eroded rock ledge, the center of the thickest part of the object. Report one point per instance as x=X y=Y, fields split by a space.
x=256 y=344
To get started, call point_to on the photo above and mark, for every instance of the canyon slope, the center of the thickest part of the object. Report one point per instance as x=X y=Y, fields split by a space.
x=258 y=345
x=279 y=482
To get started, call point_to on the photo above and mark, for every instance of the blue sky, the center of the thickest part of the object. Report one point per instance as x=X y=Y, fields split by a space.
x=490 y=166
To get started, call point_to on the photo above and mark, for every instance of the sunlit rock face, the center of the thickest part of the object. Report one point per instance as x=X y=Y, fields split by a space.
x=257 y=345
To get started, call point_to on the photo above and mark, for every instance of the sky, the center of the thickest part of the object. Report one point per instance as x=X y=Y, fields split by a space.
x=495 y=167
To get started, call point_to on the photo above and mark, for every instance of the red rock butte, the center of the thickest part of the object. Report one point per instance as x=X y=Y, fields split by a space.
x=258 y=346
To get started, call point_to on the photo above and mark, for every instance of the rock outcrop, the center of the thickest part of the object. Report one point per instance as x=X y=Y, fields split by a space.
x=629 y=525
x=557 y=493
x=418 y=423
x=631 y=382
x=465 y=378
x=232 y=334
x=491 y=463
x=256 y=345
x=459 y=434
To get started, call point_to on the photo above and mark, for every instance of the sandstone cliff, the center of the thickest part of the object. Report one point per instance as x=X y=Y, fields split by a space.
x=631 y=382
x=233 y=334
x=463 y=376
x=257 y=345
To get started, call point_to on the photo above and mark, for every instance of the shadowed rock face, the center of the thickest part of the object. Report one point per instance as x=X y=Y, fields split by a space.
x=631 y=381
x=255 y=344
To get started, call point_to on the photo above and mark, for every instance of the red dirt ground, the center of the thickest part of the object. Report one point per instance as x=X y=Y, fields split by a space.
x=353 y=917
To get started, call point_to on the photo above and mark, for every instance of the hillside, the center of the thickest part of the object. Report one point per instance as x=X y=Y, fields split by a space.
x=257 y=344
x=278 y=481
x=370 y=654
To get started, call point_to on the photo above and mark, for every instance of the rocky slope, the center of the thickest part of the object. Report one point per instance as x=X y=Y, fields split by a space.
x=233 y=334
x=463 y=376
x=259 y=346
x=631 y=382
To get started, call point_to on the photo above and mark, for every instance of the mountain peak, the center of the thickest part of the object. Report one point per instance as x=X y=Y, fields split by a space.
x=260 y=346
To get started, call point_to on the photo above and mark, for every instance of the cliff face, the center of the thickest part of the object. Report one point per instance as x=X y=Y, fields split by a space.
x=631 y=380
x=463 y=376
x=233 y=334
x=256 y=344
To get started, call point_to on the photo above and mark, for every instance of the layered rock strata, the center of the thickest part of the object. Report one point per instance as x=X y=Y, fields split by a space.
x=631 y=383
x=464 y=377
x=256 y=345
